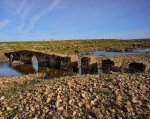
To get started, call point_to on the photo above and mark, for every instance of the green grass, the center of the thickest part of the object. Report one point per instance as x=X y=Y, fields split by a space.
x=69 y=46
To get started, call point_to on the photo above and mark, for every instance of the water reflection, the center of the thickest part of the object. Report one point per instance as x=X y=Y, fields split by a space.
x=35 y=63
x=24 y=69
x=7 y=69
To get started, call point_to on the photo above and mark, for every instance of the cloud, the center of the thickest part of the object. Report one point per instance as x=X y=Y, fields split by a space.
x=22 y=7
x=38 y=16
x=23 y=12
x=4 y=23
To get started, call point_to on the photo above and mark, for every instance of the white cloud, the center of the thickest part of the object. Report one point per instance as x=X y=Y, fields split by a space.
x=21 y=7
x=4 y=23
x=38 y=16
x=23 y=12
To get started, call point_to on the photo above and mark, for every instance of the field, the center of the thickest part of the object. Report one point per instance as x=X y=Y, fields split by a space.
x=116 y=95
x=69 y=46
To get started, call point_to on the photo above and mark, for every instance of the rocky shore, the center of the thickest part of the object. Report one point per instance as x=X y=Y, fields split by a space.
x=115 y=96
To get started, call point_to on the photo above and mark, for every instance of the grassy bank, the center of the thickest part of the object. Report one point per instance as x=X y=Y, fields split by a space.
x=70 y=45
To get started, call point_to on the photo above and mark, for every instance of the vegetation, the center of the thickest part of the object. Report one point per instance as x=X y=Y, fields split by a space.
x=69 y=46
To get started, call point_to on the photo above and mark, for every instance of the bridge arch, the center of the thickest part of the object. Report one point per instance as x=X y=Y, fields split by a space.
x=35 y=63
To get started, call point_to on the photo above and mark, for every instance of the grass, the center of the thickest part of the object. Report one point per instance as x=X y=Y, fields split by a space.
x=69 y=46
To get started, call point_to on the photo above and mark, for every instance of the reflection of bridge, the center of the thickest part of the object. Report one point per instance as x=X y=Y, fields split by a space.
x=24 y=69
x=29 y=69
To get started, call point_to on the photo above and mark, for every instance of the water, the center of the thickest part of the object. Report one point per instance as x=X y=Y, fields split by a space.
x=100 y=53
x=6 y=69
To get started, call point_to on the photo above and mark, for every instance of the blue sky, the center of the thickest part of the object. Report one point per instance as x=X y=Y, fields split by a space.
x=23 y=20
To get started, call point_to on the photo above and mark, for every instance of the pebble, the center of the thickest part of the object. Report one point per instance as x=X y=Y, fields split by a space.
x=134 y=100
x=48 y=100
x=60 y=108
x=2 y=98
x=8 y=108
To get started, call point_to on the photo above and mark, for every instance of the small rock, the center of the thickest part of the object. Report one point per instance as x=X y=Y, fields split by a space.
x=2 y=98
x=48 y=100
x=58 y=96
x=70 y=102
x=112 y=111
x=128 y=109
x=65 y=113
x=8 y=108
x=87 y=106
x=92 y=102
x=32 y=109
x=58 y=102
x=1 y=113
x=119 y=98
x=60 y=108
x=79 y=104
x=97 y=113
x=69 y=84
x=74 y=113
x=83 y=95
x=28 y=94
x=134 y=100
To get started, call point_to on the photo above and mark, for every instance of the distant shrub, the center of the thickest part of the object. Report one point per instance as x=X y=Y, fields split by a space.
x=76 y=51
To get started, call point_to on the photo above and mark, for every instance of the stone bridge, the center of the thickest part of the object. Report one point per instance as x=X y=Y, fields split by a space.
x=88 y=64
x=44 y=60
x=69 y=63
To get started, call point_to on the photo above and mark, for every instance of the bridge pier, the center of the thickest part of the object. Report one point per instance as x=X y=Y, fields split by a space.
x=27 y=59
x=89 y=64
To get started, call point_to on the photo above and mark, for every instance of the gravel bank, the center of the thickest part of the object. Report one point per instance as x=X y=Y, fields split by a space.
x=115 y=96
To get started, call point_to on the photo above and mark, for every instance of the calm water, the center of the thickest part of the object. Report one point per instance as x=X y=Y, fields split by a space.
x=6 y=69
x=99 y=53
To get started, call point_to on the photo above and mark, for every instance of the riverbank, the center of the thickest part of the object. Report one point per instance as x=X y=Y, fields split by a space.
x=117 y=95
x=123 y=61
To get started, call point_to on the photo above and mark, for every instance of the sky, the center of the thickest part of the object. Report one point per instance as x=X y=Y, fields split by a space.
x=33 y=20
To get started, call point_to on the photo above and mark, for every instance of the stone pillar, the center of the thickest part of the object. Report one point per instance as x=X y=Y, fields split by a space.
x=74 y=62
x=89 y=64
